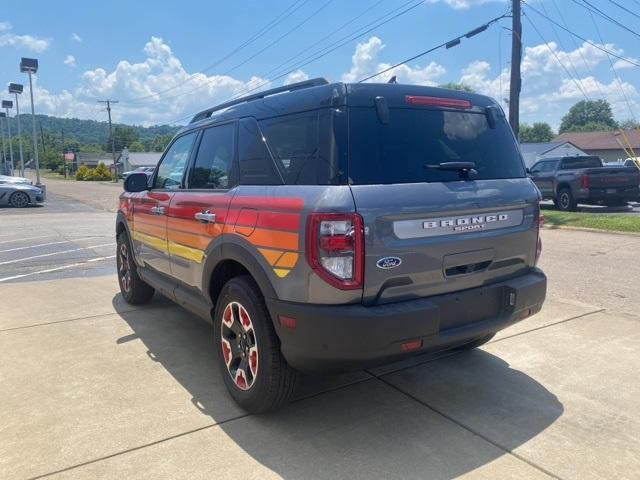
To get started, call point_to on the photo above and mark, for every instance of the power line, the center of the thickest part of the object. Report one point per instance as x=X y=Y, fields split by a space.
x=578 y=48
x=305 y=63
x=290 y=10
x=592 y=8
x=599 y=47
x=625 y=8
x=228 y=71
x=448 y=44
x=575 y=81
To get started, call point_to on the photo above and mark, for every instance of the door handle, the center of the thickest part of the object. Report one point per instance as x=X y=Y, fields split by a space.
x=205 y=217
x=157 y=210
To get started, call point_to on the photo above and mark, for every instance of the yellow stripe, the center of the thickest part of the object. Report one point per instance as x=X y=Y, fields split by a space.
x=183 y=251
x=153 y=242
x=281 y=272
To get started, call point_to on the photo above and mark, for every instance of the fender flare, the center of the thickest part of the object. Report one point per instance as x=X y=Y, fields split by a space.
x=232 y=247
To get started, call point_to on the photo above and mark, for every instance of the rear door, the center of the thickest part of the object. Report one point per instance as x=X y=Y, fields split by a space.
x=430 y=231
x=198 y=213
x=150 y=208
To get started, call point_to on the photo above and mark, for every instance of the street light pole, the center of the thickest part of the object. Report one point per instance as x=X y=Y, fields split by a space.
x=113 y=140
x=30 y=66
x=16 y=89
x=7 y=104
x=4 y=153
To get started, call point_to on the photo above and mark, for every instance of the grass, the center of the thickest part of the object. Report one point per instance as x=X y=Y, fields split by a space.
x=609 y=222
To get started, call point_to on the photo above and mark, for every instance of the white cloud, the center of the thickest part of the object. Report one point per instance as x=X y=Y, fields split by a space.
x=622 y=65
x=70 y=61
x=137 y=85
x=364 y=62
x=29 y=42
x=75 y=37
x=465 y=4
x=297 y=76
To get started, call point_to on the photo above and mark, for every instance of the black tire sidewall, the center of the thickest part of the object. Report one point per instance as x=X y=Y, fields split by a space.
x=570 y=202
x=16 y=194
x=139 y=292
x=240 y=290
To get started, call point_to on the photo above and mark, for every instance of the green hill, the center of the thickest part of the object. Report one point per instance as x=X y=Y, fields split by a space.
x=90 y=132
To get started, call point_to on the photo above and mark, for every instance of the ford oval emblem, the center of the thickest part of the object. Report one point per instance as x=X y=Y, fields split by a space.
x=388 y=262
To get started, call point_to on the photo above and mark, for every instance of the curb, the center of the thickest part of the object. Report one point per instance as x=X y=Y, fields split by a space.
x=593 y=230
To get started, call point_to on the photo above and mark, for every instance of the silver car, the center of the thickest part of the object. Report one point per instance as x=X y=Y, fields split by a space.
x=18 y=193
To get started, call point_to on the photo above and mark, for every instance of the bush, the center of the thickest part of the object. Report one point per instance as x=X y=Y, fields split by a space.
x=82 y=172
x=100 y=173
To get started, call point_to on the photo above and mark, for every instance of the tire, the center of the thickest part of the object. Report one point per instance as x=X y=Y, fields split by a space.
x=247 y=349
x=19 y=200
x=476 y=343
x=134 y=290
x=565 y=200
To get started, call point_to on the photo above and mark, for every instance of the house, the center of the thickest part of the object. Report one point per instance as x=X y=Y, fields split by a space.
x=612 y=146
x=132 y=160
x=532 y=152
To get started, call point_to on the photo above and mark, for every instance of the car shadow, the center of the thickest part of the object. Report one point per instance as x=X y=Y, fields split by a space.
x=426 y=421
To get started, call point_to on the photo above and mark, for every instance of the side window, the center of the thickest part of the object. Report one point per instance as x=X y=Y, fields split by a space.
x=257 y=167
x=537 y=168
x=304 y=147
x=214 y=160
x=174 y=162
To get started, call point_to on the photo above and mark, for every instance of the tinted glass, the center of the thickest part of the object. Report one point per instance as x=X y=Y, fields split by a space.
x=304 y=147
x=397 y=152
x=214 y=159
x=257 y=167
x=581 y=162
x=174 y=162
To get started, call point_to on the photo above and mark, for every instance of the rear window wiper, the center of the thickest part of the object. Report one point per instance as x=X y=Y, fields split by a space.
x=466 y=169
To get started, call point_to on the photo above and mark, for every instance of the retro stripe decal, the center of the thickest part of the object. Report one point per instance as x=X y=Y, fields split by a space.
x=271 y=224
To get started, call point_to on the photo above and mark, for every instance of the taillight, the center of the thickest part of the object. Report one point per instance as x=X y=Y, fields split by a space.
x=438 y=102
x=335 y=248
x=586 y=182
x=539 y=240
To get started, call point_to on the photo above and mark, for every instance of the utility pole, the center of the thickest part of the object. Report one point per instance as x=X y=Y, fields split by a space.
x=516 y=56
x=113 y=141
x=64 y=157
x=44 y=148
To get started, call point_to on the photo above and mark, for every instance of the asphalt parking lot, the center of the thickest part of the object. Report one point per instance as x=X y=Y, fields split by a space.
x=95 y=388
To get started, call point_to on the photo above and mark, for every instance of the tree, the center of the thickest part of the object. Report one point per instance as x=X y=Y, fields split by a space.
x=160 y=142
x=124 y=136
x=457 y=86
x=588 y=116
x=136 y=147
x=538 y=132
x=629 y=124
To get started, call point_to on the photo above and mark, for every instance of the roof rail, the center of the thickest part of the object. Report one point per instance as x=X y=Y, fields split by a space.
x=314 y=82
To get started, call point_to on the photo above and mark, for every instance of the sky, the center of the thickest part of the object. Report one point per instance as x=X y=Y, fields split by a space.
x=165 y=61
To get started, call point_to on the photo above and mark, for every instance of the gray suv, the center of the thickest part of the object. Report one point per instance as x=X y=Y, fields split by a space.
x=328 y=227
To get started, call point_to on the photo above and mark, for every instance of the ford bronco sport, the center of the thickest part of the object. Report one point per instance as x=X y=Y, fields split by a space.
x=325 y=227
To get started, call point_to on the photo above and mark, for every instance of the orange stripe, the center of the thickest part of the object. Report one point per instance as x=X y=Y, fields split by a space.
x=154 y=230
x=274 y=239
x=190 y=240
x=288 y=260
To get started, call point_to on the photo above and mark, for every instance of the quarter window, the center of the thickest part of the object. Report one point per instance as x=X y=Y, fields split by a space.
x=174 y=162
x=214 y=159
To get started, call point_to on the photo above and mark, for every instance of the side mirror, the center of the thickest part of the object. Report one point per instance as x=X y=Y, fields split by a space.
x=136 y=182
x=528 y=171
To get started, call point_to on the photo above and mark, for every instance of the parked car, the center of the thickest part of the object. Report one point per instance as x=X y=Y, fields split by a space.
x=11 y=179
x=330 y=227
x=146 y=170
x=20 y=194
x=584 y=179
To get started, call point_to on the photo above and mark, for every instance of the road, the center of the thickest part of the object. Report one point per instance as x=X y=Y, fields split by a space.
x=95 y=388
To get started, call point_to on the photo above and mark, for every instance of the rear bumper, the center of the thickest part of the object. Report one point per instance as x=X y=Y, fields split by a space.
x=604 y=194
x=331 y=338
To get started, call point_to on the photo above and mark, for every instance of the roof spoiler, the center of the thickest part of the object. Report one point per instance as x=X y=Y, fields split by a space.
x=314 y=82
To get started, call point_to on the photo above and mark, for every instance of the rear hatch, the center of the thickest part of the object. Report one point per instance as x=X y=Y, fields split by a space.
x=612 y=177
x=430 y=231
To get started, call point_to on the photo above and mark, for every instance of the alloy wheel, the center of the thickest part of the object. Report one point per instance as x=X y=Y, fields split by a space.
x=124 y=270
x=239 y=345
x=19 y=200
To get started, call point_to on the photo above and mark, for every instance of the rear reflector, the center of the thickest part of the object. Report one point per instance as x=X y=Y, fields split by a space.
x=586 y=181
x=411 y=345
x=287 y=322
x=438 y=102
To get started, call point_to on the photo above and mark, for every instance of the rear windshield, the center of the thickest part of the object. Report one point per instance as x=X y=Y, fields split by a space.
x=397 y=152
x=581 y=162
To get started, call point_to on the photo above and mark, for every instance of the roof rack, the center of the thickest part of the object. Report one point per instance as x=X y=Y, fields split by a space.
x=314 y=82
